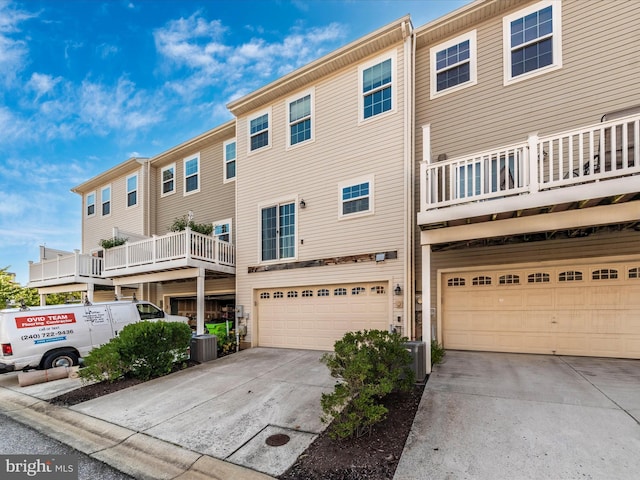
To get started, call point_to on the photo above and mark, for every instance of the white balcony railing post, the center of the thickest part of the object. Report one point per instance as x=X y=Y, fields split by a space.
x=425 y=182
x=187 y=242
x=535 y=161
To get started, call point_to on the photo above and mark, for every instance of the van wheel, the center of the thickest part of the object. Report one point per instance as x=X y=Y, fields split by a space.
x=60 y=359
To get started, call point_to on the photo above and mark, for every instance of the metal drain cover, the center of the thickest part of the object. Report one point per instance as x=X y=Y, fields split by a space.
x=277 y=440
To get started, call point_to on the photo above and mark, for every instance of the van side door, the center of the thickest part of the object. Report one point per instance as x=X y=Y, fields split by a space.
x=99 y=324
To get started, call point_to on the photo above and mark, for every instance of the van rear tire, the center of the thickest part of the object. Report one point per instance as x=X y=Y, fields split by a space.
x=62 y=358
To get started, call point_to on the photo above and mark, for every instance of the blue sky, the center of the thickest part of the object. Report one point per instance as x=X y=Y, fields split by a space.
x=87 y=84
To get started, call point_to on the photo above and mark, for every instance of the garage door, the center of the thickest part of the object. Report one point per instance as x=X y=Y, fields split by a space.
x=581 y=309
x=315 y=317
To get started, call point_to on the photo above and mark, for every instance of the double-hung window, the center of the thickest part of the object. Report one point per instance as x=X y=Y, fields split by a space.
x=278 y=231
x=229 y=149
x=356 y=197
x=132 y=190
x=91 y=204
x=168 y=179
x=222 y=230
x=105 y=198
x=532 y=41
x=453 y=64
x=259 y=133
x=192 y=174
x=300 y=121
x=376 y=86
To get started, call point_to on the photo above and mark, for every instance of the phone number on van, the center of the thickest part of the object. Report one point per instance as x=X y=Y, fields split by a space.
x=37 y=336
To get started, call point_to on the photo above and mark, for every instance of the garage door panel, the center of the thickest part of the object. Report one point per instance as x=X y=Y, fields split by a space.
x=571 y=309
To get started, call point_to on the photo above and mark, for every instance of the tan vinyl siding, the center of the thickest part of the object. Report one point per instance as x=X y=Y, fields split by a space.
x=342 y=150
x=599 y=75
x=215 y=201
x=616 y=243
x=128 y=219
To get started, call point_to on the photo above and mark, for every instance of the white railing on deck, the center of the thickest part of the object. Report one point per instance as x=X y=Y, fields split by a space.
x=65 y=266
x=596 y=153
x=172 y=246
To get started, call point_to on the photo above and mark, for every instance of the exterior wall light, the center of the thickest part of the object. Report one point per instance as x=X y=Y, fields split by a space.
x=303 y=204
x=397 y=290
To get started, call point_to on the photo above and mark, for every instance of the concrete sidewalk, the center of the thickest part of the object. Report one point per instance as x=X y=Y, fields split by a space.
x=208 y=421
x=511 y=416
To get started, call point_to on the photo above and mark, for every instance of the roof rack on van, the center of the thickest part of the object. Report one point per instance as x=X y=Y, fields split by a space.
x=132 y=297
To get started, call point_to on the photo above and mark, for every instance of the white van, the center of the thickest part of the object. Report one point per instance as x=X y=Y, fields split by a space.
x=59 y=335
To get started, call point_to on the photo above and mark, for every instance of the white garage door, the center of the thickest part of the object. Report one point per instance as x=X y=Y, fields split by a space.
x=582 y=309
x=314 y=317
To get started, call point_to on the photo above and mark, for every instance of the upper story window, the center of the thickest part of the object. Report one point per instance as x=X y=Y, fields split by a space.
x=168 y=179
x=356 y=197
x=259 y=135
x=300 y=121
x=532 y=41
x=105 y=198
x=90 y=203
x=192 y=174
x=222 y=230
x=376 y=86
x=278 y=231
x=453 y=64
x=132 y=190
x=229 y=148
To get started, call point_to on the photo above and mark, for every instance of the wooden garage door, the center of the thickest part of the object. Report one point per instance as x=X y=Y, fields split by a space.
x=315 y=317
x=581 y=309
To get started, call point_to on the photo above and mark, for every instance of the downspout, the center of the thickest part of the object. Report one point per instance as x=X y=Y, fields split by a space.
x=408 y=211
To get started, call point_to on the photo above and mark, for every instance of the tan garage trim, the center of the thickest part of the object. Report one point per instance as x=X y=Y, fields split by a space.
x=314 y=317
x=585 y=307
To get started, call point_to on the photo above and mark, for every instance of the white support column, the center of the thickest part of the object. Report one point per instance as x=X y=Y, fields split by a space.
x=90 y=290
x=200 y=302
x=426 y=304
x=533 y=159
x=43 y=299
x=118 y=292
x=426 y=159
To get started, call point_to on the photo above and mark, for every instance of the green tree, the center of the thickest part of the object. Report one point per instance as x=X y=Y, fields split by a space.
x=11 y=290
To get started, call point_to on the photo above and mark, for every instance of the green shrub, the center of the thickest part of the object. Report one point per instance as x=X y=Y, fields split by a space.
x=181 y=223
x=437 y=352
x=107 y=243
x=103 y=363
x=151 y=348
x=370 y=365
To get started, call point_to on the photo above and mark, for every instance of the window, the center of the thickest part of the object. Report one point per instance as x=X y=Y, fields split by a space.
x=634 y=272
x=191 y=174
x=456 y=282
x=278 y=232
x=300 y=121
x=307 y=293
x=509 y=279
x=376 y=84
x=481 y=280
x=105 y=198
x=292 y=294
x=229 y=159
x=605 y=274
x=358 y=291
x=259 y=131
x=356 y=197
x=222 y=230
x=378 y=290
x=168 y=180
x=570 y=276
x=323 y=292
x=278 y=295
x=539 y=277
x=453 y=64
x=132 y=190
x=340 y=292
x=264 y=295
x=91 y=204
x=149 y=312
x=531 y=39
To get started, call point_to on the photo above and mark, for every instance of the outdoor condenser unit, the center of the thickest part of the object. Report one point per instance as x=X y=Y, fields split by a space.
x=204 y=348
x=418 y=359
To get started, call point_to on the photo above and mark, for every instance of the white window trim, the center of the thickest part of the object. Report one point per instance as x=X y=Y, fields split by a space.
x=269 y=131
x=225 y=160
x=473 y=63
x=277 y=202
x=184 y=172
x=102 y=200
x=86 y=204
x=556 y=42
x=349 y=183
x=167 y=167
x=223 y=222
x=137 y=190
x=394 y=90
x=312 y=93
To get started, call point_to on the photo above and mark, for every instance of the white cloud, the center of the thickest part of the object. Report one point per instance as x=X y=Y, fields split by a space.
x=13 y=52
x=42 y=84
x=106 y=50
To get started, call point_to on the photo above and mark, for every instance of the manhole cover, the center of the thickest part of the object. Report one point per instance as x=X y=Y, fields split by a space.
x=278 y=440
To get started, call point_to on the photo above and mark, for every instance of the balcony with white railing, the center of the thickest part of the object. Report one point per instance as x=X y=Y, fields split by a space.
x=595 y=162
x=175 y=250
x=67 y=268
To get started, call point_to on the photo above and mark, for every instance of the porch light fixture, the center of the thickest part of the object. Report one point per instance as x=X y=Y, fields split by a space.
x=303 y=204
x=397 y=290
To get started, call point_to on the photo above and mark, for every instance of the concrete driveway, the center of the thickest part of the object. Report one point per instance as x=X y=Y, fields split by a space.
x=511 y=416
